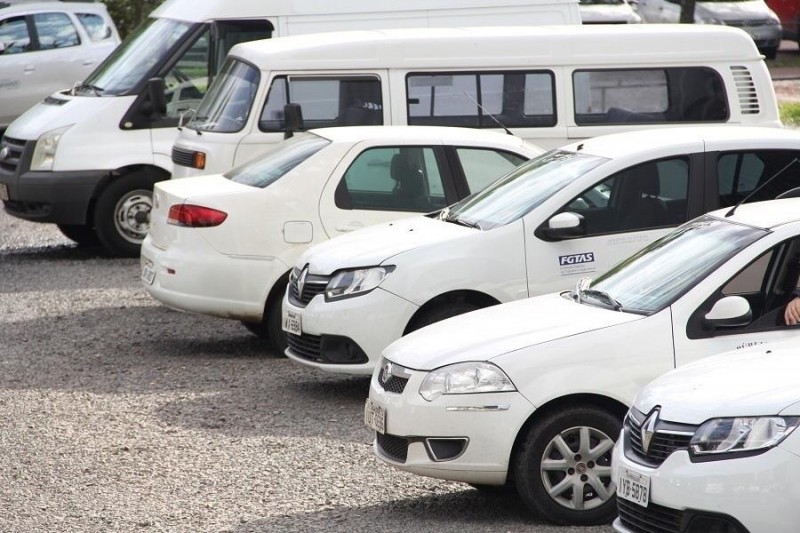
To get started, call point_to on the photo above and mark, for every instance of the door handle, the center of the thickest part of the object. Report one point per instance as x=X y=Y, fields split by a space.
x=30 y=68
x=350 y=226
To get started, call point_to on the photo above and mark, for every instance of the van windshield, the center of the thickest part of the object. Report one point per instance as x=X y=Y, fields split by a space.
x=278 y=161
x=226 y=106
x=135 y=58
x=522 y=189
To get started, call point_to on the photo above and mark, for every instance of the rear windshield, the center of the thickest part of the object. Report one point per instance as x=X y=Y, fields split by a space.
x=285 y=156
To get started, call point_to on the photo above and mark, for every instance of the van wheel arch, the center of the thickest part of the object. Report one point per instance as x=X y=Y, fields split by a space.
x=447 y=305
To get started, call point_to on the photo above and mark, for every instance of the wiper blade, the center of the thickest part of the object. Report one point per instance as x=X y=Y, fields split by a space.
x=460 y=222
x=98 y=91
x=604 y=297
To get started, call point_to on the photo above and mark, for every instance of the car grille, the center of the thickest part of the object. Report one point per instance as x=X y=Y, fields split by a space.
x=395 y=384
x=305 y=346
x=182 y=157
x=667 y=438
x=651 y=519
x=11 y=162
x=749 y=23
x=395 y=448
x=312 y=285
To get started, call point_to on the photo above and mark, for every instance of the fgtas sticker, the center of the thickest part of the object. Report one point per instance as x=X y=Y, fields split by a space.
x=576 y=263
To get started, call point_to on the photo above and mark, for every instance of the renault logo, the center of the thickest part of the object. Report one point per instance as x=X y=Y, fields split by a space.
x=4 y=153
x=648 y=429
x=301 y=281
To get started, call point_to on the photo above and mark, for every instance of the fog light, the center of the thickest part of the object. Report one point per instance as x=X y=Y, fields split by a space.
x=341 y=351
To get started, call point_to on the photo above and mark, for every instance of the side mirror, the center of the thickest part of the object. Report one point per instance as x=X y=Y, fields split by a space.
x=293 y=119
x=2 y=48
x=156 y=91
x=562 y=226
x=730 y=312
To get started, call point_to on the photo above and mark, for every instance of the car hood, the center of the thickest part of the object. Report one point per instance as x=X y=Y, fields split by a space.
x=487 y=333
x=65 y=110
x=763 y=380
x=735 y=10
x=375 y=244
x=608 y=13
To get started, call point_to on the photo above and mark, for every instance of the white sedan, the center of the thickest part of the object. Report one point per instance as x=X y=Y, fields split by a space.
x=714 y=446
x=223 y=245
x=533 y=393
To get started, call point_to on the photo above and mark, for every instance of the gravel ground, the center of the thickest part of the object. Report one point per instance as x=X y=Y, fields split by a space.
x=117 y=414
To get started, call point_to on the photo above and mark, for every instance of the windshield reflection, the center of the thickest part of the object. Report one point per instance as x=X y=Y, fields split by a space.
x=278 y=161
x=226 y=106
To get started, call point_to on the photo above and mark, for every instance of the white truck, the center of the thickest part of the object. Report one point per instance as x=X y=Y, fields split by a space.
x=86 y=159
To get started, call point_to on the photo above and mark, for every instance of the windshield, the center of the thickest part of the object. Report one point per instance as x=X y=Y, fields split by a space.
x=135 y=58
x=655 y=277
x=227 y=104
x=522 y=189
x=282 y=158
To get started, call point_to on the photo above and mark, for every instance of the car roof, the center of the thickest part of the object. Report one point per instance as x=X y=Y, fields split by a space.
x=421 y=133
x=768 y=214
x=653 y=141
x=13 y=6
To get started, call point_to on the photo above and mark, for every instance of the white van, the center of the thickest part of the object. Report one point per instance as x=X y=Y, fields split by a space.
x=548 y=85
x=87 y=159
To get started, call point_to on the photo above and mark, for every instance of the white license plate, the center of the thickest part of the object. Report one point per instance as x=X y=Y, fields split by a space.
x=633 y=486
x=3 y=191
x=148 y=273
x=375 y=416
x=292 y=323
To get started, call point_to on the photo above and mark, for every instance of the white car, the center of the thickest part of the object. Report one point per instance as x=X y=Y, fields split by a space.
x=567 y=214
x=713 y=446
x=223 y=245
x=533 y=393
x=608 y=12
x=47 y=46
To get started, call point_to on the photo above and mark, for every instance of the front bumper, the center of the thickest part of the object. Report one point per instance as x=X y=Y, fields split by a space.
x=474 y=433
x=369 y=322
x=750 y=494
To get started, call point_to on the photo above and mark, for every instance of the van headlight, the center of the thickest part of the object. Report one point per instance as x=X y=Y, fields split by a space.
x=465 y=378
x=746 y=434
x=44 y=154
x=355 y=282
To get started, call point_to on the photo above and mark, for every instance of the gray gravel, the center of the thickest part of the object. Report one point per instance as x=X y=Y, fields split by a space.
x=117 y=414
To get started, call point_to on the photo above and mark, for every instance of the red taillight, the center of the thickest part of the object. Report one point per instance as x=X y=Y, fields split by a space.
x=195 y=216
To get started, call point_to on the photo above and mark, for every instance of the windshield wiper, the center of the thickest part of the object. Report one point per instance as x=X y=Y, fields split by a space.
x=98 y=91
x=604 y=297
x=456 y=220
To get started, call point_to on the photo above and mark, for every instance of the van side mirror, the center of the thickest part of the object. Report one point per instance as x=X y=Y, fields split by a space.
x=293 y=119
x=156 y=91
x=730 y=312
x=566 y=225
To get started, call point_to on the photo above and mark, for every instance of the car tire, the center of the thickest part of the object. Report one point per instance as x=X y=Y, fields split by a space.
x=441 y=312
x=83 y=235
x=270 y=329
x=122 y=213
x=567 y=450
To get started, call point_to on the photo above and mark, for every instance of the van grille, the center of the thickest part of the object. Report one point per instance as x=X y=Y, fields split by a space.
x=15 y=148
x=745 y=90
x=184 y=158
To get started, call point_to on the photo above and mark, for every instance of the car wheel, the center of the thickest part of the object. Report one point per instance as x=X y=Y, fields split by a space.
x=122 y=213
x=563 y=468
x=270 y=329
x=771 y=53
x=83 y=235
x=441 y=312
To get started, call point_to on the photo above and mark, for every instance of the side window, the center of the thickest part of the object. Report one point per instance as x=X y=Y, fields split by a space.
x=233 y=32
x=187 y=80
x=740 y=173
x=55 y=30
x=325 y=101
x=95 y=25
x=482 y=166
x=393 y=178
x=14 y=35
x=481 y=100
x=681 y=94
x=650 y=195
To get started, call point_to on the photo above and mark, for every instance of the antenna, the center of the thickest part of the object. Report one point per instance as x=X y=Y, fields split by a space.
x=483 y=109
x=743 y=200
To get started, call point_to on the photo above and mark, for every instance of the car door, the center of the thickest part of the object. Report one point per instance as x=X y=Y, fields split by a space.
x=621 y=214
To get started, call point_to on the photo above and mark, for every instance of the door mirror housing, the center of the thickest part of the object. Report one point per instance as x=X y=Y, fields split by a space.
x=566 y=225
x=729 y=312
x=293 y=119
x=156 y=91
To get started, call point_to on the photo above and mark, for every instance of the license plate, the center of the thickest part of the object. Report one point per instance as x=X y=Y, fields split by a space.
x=375 y=416
x=292 y=323
x=148 y=273
x=633 y=486
x=3 y=191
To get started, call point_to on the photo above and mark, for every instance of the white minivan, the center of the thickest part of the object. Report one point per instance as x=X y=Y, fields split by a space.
x=569 y=213
x=86 y=159
x=549 y=85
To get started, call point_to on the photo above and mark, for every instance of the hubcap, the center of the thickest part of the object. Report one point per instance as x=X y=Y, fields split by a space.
x=576 y=468
x=132 y=215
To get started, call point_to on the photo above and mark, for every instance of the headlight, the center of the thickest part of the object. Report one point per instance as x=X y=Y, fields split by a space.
x=356 y=282
x=44 y=154
x=732 y=435
x=465 y=378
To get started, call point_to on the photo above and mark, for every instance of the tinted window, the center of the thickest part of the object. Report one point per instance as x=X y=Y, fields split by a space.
x=14 y=35
x=325 y=102
x=483 y=166
x=481 y=100
x=393 y=178
x=95 y=26
x=55 y=30
x=740 y=173
x=687 y=94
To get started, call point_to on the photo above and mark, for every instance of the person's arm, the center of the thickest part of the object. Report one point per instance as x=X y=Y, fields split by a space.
x=792 y=314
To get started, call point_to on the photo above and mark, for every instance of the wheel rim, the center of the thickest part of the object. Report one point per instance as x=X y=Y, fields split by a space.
x=132 y=215
x=576 y=468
